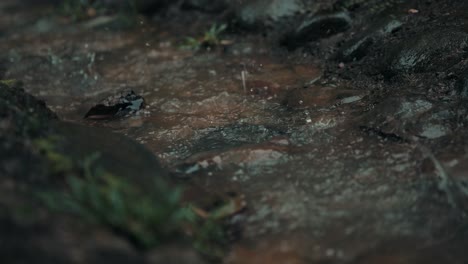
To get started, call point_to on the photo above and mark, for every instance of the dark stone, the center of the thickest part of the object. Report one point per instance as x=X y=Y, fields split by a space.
x=19 y=244
x=23 y=118
x=234 y=136
x=30 y=234
x=411 y=117
x=317 y=27
x=261 y=13
x=142 y=6
x=209 y=6
x=119 y=155
x=15 y=98
x=433 y=51
x=358 y=47
x=119 y=105
x=462 y=86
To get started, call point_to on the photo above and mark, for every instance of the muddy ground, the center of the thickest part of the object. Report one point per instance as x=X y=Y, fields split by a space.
x=340 y=128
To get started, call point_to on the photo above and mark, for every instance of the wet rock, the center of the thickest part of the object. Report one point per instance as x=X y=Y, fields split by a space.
x=234 y=136
x=210 y=6
x=316 y=27
x=392 y=115
x=118 y=105
x=249 y=155
x=358 y=47
x=409 y=109
x=368 y=7
x=266 y=12
x=142 y=6
x=118 y=154
x=426 y=52
x=411 y=117
x=436 y=124
x=23 y=118
x=16 y=103
x=462 y=87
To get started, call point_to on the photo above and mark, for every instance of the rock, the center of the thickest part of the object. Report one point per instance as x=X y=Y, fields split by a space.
x=23 y=118
x=118 y=105
x=432 y=131
x=264 y=12
x=234 y=136
x=119 y=155
x=316 y=27
x=357 y=47
x=462 y=87
x=411 y=117
x=426 y=52
x=142 y=6
x=209 y=6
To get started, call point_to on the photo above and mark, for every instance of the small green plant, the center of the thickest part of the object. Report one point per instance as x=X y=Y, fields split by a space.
x=210 y=239
x=58 y=162
x=211 y=38
x=147 y=217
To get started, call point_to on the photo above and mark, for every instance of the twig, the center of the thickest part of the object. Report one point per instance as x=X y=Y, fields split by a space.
x=243 y=81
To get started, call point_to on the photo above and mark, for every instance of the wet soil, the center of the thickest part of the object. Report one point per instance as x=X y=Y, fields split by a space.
x=337 y=163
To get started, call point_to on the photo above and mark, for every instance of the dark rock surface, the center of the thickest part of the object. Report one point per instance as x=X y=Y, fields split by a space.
x=433 y=51
x=210 y=6
x=28 y=232
x=359 y=46
x=316 y=27
x=261 y=13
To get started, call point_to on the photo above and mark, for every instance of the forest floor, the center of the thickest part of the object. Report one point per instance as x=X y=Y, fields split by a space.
x=324 y=160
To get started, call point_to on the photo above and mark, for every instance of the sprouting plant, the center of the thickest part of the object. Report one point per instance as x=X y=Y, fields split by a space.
x=58 y=162
x=210 y=239
x=146 y=218
x=211 y=38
